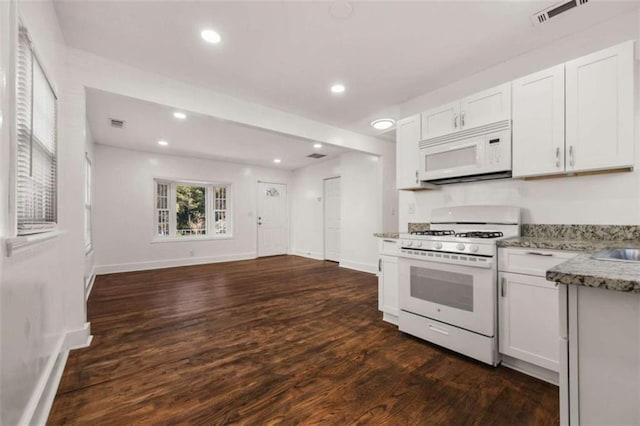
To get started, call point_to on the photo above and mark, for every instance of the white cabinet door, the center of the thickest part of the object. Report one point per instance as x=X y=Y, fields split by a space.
x=440 y=121
x=388 y=287
x=529 y=320
x=600 y=109
x=486 y=107
x=408 y=152
x=538 y=123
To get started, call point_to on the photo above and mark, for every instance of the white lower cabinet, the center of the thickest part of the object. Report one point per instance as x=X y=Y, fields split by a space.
x=528 y=311
x=388 y=299
x=529 y=319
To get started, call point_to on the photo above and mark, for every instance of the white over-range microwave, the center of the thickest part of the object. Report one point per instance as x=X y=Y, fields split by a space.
x=480 y=153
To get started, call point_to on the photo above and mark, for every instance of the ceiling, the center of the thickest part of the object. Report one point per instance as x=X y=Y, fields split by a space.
x=197 y=135
x=286 y=54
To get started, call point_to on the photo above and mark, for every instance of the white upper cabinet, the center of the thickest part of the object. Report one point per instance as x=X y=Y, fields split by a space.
x=486 y=107
x=441 y=120
x=407 y=152
x=538 y=123
x=600 y=109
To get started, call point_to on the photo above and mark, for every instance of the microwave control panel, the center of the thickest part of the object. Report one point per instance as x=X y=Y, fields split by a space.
x=498 y=150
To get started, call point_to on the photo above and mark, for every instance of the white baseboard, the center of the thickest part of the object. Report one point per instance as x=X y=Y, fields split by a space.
x=530 y=369
x=362 y=267
x=80 y=338
x=88 y=284
x=307 y=254
x=171 y=263
x=39 y=405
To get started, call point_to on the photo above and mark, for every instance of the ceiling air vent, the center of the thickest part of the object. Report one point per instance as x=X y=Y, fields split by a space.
x=316 y=155
x=118 y=124
x=553 y=11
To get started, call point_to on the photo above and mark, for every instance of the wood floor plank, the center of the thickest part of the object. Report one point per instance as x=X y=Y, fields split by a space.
x=282 y=340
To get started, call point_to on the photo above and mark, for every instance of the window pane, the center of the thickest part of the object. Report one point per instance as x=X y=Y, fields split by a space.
x=190 y=210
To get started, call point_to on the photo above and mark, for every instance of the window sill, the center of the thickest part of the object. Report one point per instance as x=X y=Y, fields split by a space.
x=18 y=244
x=189 y=239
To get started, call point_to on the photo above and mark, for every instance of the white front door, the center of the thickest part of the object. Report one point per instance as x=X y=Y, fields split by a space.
x=332 y=219
x=272 y=219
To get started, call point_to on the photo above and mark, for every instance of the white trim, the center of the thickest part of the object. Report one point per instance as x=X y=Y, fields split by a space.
x=79 y=338
x=362 y=267
x=530 y=369
x=39 y=404
x=213 y=237
x=18 y=244
x=171 y=263
x=88 y=284
x=307 y=254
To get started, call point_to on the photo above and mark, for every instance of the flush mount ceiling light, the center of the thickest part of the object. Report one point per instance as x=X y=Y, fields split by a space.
x=162 y=142
x=276 y=160
x=341 y=9
x=180 y=115
x=338 y=88
x=383 y=123
x=210 y=36
x=317 y=145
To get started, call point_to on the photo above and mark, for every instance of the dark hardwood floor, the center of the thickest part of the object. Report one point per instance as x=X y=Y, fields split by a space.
x=274 y=340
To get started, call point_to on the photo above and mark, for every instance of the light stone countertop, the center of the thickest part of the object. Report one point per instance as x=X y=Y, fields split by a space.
x=606 y=274
x=578 y=245
x=390 y=235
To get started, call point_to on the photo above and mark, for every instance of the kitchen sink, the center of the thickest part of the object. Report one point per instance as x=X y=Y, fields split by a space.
x=618 y=254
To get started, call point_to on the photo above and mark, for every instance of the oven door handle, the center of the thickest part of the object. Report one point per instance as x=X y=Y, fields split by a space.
x=485 y=265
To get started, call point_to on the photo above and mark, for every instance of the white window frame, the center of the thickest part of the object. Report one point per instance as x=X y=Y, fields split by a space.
x=88 y=204
x=209 y=213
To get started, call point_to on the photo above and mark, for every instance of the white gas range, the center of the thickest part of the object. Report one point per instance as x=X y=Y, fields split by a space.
x=448 y=278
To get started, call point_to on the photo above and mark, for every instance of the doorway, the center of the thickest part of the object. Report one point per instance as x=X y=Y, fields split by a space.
x=273 y=227
x=332 y=219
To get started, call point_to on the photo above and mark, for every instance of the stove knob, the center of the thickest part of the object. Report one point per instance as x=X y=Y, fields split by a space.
x=418 y=244
x=438 y=246
x=474 y=248
x=460 y=246
x=409 y=243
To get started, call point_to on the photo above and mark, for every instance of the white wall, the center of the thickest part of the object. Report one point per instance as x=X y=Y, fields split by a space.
x=123 y=210
x=361 y=212
x=41 y=288
x=605 y=199
x=307 y=207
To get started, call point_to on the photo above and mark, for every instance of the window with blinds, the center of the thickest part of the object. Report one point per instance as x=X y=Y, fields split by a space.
x=192 y=209
x=36 y=173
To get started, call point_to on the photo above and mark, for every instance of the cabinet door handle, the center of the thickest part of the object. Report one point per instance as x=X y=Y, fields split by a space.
x=571 y=156
x=503 y=287
x=557 y=157
x=536 y=253
x=379 y=265
x=417 y=180
x=462 y=120
x=455 y=121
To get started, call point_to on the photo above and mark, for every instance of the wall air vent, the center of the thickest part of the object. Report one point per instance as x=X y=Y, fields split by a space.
x=316 y=155
x=118 y=124
x=551 y=12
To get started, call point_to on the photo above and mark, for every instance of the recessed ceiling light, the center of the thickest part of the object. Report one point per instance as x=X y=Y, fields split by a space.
x=317 y=145
x=383 y=123
x=162 y=142
x=211 y=36
x=338 y=88
x=276 y=160
x=180 y=115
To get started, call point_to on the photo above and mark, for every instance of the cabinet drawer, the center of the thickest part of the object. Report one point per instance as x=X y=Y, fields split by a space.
x=531 y=261
x=387 y=246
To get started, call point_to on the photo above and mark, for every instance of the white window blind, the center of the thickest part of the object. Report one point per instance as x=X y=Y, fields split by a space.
x=36 y=172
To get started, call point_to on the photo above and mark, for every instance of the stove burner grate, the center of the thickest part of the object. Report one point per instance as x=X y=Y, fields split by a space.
x=433 y=233
x=480 y=234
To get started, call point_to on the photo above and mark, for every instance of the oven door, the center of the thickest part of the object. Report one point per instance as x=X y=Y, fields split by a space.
x=453 y=159
x=460 y=295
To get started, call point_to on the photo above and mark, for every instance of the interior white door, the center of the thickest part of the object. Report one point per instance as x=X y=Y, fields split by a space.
x=332 y=219
x=272 y=219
